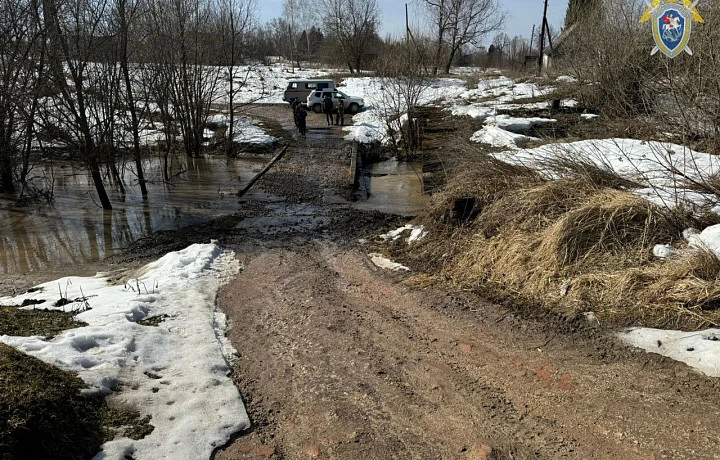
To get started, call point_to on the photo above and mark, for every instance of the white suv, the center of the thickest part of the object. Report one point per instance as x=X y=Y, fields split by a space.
x=352 y=104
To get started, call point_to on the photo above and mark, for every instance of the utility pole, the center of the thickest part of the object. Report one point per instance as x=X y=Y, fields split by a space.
x=407 y=25
x=532 y=39
x=542 y=37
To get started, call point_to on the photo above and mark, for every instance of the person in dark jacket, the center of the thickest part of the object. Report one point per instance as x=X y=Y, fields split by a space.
x=328 y=108
x=301 y=120
x=340 y=117
x=295 y=104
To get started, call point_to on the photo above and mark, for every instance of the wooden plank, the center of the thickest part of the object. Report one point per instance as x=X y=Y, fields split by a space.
x=262 y=173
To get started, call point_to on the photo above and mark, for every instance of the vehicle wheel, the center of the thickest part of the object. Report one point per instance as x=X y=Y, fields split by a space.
x=317 y=108
x=354 y=108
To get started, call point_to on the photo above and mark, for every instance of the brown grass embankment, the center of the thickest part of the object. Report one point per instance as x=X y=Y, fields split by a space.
x=572 y=246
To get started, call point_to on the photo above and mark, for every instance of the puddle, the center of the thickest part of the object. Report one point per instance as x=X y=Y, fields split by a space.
x=392 y=187
x=75 y=230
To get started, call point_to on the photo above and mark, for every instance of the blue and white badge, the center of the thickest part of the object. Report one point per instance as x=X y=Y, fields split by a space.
x=672 y=25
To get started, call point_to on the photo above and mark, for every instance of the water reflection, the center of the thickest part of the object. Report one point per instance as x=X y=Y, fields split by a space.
x=74 y=229
x=392 y=187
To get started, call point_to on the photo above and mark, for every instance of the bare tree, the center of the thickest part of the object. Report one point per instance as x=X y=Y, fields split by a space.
x=127 y=13
x=353 y=23
x=291 y=16
x=458 y=23
x=309 y=22
x=582 y=10
x=71 y=31
x=20 y=62
x=404 y=83
x=234 y=23
x=183 y=31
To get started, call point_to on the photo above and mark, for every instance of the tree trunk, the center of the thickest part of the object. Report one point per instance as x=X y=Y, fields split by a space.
x=130 y=98
x=441 y=36
x=7 y=182
x=99 y=186
x=231 y=115
x=448 y=64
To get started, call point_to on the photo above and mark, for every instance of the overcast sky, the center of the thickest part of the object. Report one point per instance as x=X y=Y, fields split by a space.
x=522 y=14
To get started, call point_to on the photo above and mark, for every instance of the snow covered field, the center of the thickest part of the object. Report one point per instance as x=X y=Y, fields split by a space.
x=177 y=371
x=663 y=170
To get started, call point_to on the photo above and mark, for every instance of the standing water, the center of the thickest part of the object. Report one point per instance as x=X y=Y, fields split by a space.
x=392 y=187
x=74 y=229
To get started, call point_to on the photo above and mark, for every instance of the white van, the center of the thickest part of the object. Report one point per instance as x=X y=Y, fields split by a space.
x=299 y=89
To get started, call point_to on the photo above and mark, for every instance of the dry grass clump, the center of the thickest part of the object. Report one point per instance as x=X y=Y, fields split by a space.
x=572 y=247
x=683 y=292
x=481 y=185
x=613 y=227
x=533 y=208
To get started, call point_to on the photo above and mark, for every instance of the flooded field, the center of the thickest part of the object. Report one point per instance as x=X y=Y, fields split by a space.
x=74 y=229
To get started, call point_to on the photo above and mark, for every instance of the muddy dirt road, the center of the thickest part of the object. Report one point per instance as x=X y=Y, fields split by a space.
x=339 y=359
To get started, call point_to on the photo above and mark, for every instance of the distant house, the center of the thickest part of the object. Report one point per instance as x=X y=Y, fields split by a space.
x=556 y=50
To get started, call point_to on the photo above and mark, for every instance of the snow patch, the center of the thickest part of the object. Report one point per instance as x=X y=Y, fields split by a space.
x=382 y=262
x=417 y=232
x=566 y=79
x=498 y=137
x=663 y=251
x=699 y=350
x=177 y=371
x=708 y=239
x=660 y=168
x=515 y=124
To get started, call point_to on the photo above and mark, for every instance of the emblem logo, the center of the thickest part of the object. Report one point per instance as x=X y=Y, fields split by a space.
x=672 y=24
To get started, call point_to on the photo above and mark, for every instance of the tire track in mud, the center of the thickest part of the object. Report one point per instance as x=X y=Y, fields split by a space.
x=340 y=361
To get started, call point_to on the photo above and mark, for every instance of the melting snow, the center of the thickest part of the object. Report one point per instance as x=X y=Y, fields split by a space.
x=498 y=137
x=661 y=168
x=699 y=350
x=177 y=372
x=383 y=262
x=417 y=232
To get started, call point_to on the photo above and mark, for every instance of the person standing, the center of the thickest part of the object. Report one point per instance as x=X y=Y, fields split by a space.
x=340 y=118
x=302 y=120
x=328 y=108
x=295 y=104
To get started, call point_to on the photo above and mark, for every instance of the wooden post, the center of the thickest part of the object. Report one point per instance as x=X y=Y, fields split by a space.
x=532 y=39
x=407 y=26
